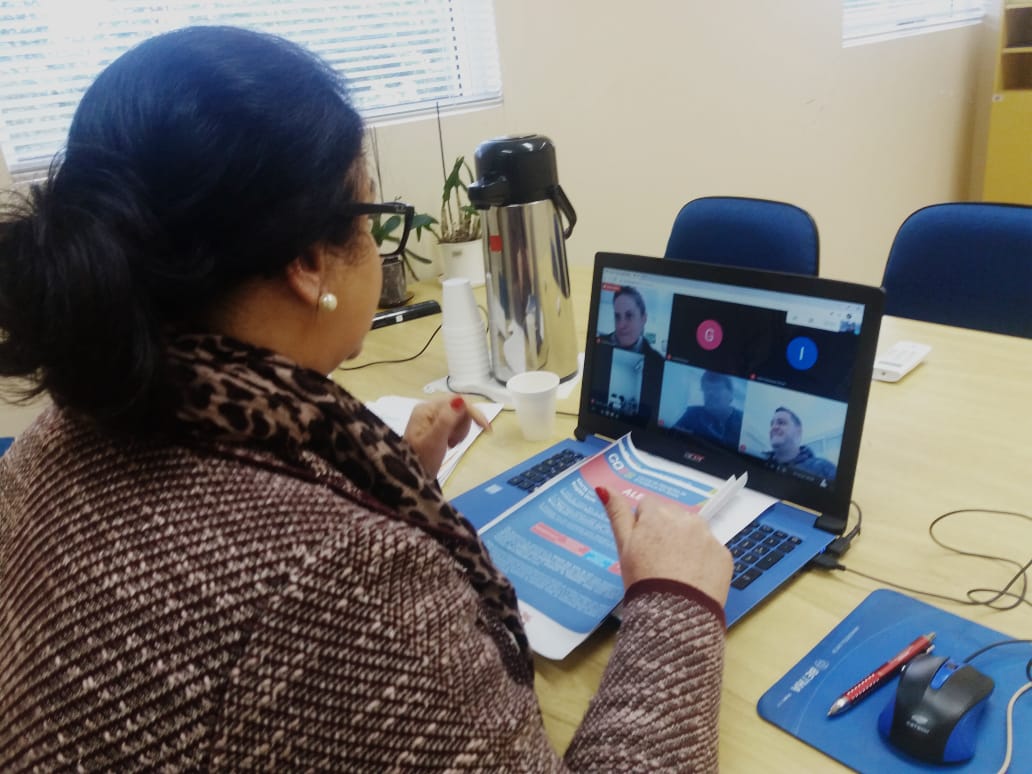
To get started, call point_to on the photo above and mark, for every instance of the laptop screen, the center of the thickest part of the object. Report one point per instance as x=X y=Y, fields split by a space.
x=731 y=370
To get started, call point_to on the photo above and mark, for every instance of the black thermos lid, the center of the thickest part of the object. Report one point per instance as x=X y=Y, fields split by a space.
x=514 y=170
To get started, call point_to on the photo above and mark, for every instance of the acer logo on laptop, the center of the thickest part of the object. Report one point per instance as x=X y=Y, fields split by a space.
x=693 y=457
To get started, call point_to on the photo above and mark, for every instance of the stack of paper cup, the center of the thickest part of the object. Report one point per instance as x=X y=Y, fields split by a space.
x=465 y=341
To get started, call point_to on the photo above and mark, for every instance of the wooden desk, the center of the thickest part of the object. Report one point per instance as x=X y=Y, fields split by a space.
x=954 y=434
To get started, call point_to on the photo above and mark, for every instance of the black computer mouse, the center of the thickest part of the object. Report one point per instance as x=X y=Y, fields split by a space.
x=935 y=713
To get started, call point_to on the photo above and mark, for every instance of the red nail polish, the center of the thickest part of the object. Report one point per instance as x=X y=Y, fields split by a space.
x=603 y=494
x=457 y=403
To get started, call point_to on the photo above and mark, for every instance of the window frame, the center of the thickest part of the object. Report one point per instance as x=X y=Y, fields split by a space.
x=891 y=19
x=426 y=55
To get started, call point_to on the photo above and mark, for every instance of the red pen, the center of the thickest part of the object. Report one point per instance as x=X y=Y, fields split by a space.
x=922 y=644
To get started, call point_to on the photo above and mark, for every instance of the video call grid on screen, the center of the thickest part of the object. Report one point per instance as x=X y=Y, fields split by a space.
x=738 y=368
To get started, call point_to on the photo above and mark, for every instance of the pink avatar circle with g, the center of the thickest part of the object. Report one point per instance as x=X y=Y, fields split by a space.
x=709 y=334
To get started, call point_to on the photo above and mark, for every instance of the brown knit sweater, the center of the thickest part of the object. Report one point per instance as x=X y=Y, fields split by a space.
x=223 y=606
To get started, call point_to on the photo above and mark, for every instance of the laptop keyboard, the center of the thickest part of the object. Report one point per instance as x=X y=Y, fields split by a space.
x=757 y=548
x=534 y=476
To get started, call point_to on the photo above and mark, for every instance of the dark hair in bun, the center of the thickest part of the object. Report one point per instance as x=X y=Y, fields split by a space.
x=196 y=160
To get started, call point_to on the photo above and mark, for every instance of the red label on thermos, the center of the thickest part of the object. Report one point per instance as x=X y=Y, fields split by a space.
x=494 y=243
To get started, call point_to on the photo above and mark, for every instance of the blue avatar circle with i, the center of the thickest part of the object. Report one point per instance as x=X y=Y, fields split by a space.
x=801 y=353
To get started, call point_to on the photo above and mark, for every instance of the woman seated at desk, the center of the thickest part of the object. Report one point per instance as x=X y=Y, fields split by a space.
x=212 y=556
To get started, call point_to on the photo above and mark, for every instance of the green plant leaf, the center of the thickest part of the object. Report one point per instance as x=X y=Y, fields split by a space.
x=422 y=220
x=417 y=256
x=452 y=181
x=460 y=220
x=392 y=224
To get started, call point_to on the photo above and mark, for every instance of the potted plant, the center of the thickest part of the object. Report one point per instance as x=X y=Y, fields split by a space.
x=460 y=247
x=460 y=251
x=395 y=283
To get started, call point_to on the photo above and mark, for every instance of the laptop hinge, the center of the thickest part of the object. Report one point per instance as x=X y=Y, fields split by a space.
x=830 y=522
x=580 y=433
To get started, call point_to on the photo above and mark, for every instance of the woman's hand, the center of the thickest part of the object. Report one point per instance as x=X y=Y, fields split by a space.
x=660 y=540
x=436 y=426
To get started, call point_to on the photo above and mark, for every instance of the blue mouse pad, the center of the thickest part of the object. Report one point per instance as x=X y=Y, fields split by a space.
x=879 y=628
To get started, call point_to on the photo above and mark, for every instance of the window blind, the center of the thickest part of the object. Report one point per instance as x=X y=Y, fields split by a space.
x=869 y=20
x=401 y=57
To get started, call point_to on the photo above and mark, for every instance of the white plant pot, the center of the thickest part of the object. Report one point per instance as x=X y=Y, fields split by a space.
x=462 y=259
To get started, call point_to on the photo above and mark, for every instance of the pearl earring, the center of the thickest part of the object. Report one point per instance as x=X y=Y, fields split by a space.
x=327 y=302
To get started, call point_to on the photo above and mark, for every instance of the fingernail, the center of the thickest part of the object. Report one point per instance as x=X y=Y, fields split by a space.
x=603 y=494
x=457 y=403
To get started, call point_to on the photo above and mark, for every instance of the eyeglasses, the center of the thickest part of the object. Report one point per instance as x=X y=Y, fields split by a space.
x=398 y=214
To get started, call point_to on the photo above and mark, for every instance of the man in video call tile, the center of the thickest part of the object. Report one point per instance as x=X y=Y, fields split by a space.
x=787 y=451
x=717 y=419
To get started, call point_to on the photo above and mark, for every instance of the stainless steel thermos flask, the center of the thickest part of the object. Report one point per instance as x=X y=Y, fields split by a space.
x=530 y=312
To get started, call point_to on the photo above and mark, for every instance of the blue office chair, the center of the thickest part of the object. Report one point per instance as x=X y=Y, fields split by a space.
x=966 y=264
x=753 y=233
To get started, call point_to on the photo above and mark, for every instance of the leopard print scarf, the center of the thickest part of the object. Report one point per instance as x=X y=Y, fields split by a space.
x=239 y=394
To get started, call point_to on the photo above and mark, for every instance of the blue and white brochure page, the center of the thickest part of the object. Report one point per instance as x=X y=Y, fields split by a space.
x=557 y=546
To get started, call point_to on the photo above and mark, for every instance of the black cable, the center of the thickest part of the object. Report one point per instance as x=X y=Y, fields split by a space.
x=998 y=643
x=1014 y=696
x=447 y=383
x=1019 y=597
x=840 y=545
x=413 y=357
x=859 y=521
x=400 y=360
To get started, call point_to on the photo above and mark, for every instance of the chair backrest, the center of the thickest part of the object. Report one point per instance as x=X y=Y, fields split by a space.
x=753 y=233
x=966 y=264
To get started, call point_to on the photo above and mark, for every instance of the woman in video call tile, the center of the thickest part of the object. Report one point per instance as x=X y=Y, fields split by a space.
x=629 y=318
x=787 y=450
x=716 y=419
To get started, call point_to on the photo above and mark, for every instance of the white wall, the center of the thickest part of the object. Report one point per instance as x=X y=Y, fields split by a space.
x=673 y=99
x=666 y=100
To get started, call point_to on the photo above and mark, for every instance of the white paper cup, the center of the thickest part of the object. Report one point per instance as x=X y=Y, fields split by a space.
x=465 y=341
x=458 y=307
x=534 y=395
x=465 y=350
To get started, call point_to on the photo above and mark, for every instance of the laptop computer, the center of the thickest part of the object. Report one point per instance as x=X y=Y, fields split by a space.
x=733 y=370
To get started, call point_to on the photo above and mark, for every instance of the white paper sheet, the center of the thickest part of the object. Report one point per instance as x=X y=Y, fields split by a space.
x=395 y=410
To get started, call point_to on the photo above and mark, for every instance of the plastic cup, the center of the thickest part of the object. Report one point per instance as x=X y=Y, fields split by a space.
x=534 y=396
x=465 y=341
x=465 y=350
x=458 y=307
